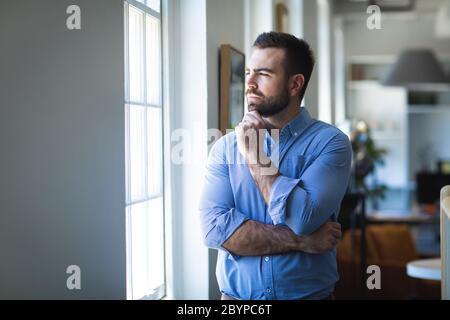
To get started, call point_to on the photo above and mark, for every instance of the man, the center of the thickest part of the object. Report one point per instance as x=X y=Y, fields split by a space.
x=275 y=228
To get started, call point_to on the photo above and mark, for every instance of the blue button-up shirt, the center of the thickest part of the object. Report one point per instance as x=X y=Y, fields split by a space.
x=314 y=160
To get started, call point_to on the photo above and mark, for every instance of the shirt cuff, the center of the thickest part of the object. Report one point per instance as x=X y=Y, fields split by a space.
x=281 y=189
x=227 y=224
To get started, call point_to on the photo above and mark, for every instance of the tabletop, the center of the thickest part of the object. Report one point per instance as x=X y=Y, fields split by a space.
x=429 y=269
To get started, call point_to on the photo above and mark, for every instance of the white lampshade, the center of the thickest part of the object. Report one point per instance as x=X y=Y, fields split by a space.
x=417 y=69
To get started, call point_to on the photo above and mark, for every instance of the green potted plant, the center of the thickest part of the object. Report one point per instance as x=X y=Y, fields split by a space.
x=366 y=155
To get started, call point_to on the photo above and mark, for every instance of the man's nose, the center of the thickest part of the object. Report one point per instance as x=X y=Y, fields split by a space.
x=251 y=84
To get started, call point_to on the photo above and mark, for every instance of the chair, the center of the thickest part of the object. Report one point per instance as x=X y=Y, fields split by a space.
x=391 y=247
x=352 y=218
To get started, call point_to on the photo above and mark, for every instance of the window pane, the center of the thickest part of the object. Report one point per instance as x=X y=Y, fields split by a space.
x=153 y=60
x=155 y=229
x=127 y=154
x=147 y=248
x=154 y=139
x=136 y=54
x=154 y=4
x=137 y=154
x=145 y=227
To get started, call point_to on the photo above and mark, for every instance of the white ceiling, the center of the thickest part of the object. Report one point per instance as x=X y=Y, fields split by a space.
x=354 y=6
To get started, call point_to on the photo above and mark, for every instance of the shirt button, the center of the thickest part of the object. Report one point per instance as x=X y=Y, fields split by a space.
x=266 y=259
x=295 y=133
x=268 y=290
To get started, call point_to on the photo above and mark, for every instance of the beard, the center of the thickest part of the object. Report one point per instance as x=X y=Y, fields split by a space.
x=270 y=106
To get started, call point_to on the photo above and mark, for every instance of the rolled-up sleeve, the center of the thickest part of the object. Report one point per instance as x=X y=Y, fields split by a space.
x=306 y=203
x=219 y=218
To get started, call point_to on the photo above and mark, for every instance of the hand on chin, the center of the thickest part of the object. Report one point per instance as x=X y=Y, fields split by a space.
x=249 y=142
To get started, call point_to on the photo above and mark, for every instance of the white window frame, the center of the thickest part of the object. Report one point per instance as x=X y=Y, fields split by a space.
x=160 y=292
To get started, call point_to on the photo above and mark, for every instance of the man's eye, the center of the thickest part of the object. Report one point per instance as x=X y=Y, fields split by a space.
x=263 y=74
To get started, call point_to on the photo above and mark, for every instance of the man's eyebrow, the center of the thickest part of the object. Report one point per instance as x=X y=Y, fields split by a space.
x=261 y=69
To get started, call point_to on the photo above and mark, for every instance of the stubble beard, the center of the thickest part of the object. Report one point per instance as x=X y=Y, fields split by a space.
x=270 y=106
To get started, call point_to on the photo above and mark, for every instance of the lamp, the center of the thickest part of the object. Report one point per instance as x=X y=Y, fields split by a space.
x=417 y=69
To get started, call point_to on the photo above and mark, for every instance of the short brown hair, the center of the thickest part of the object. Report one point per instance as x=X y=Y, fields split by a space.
x=299 y=56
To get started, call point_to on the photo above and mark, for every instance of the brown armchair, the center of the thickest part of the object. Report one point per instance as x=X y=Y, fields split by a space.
x=390 y=247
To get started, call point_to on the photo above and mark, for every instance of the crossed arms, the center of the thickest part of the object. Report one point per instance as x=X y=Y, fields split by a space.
x=253 y=238
x=300 y=208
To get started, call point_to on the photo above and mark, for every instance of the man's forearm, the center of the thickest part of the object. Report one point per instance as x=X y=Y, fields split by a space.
x=253 y=238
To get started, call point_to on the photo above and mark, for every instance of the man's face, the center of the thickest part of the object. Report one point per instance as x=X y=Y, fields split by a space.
x=266 y=82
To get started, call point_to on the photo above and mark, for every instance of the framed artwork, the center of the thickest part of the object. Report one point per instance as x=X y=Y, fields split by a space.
x=232 y=87
x=282 y=17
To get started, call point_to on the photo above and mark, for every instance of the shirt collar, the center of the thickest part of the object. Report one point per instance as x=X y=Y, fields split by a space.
x=296 y=126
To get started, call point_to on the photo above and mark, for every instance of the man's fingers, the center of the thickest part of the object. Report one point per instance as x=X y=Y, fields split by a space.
x=245 y=125
x=255 y=114
x=334 y=224
x=255 y=117
x=336 y=233
x=252 y=124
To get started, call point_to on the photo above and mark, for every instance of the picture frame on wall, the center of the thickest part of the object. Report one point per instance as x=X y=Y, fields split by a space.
x=282 y=20
x=232 y=87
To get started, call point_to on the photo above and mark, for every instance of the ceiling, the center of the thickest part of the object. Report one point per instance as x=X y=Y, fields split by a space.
x=357 y=6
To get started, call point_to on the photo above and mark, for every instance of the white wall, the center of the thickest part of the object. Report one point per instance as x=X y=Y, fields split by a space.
x=62 y=186
x=220 y=31
x=310 y=31
x=188 y=111
x=393 y=37
x=199 y=28
x=324 y=60
x=295 y=17
x=259 y=18
x=429 y=132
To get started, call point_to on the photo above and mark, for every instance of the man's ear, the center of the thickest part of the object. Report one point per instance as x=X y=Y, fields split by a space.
x=297 y=82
